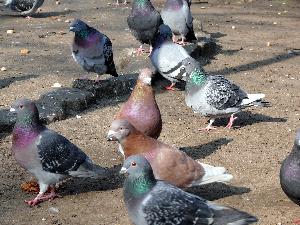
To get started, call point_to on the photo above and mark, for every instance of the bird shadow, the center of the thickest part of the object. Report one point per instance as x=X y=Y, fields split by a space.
x=204 y=150
x=246 y=118
x=216 y=191
x=76 y=186
x=8 y=81
x=50 y=14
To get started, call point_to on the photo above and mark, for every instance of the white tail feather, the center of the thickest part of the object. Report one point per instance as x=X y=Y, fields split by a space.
x=252 y=98
x=213 y=174
x=8 y=2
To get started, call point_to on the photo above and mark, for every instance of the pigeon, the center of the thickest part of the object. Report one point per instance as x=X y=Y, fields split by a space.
x=215 y=96
x=290 y=173
x=167 y=57
x=168 y=163
x=141 y=109
x=92 y=50
x=47 y=155
x=144 y=21
x=151 y=201
x=24 y=7
x=177 y=15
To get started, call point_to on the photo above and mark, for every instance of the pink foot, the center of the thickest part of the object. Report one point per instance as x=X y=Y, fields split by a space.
x=208 y=128
x=28 y=17
x=171 y=87
x=140 y=51
x=296 y=221
x=182 y=42
x=43 y=197
x=231 y=120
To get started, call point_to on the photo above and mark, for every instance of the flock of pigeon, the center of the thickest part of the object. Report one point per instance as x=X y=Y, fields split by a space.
x=156 y=171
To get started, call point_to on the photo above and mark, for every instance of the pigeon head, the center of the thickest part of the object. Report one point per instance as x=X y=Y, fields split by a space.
x=194 y=71
x=145 y=76
x=136 y=165
x=140 y=178
x=78 y=25
x=26 y=110
x=119 y=130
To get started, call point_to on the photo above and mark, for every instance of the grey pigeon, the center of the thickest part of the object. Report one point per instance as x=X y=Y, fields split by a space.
x=167 y=56
x=144 y=22
x=92 y=50
x=49 y=156
x=215 y=96
x=154 y=202
x=177 y=15
x=24 y=7
x=290 y=172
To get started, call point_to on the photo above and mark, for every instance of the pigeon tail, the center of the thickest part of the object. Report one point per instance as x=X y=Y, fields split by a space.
x=255 y=100
x=8 y=2
x=88 y=169
x=190 y=36
x=229 y=216
x=213 y=174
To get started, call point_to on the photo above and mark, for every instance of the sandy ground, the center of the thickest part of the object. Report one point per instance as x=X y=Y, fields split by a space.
x=252 y=151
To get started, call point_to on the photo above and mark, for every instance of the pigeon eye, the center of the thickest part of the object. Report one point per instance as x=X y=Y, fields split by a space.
x=21 y=106
x=133 y=164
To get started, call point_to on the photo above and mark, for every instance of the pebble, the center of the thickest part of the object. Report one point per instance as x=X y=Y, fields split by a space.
x=24 y=51
x=268 y=44
x=11 y=31
x=67 y=21
x=56 y=85
x=233 y=27
x=3 y=68
x=54 y=210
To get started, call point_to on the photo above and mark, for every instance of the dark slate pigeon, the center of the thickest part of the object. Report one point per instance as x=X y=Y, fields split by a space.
x=290 y=172
x=154 y=202
x=47 y=155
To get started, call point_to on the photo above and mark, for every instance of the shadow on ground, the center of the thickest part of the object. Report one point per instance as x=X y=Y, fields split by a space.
x=204 y=150
x=8 y=81
x=248 y=118
x=216 y=191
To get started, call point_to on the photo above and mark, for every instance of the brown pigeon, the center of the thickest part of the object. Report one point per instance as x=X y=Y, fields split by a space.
x=141 y=109
x=168 y=163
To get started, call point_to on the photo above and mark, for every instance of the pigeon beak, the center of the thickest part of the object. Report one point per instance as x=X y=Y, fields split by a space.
x=111 y=135
x=123 y=170
x=12 y=110
x=72 y=29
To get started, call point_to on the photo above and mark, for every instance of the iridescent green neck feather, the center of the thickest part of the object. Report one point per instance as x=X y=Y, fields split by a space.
x=139 y=185
x=198 y=77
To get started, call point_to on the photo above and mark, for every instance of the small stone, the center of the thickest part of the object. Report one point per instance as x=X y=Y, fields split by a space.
x=67 y=21
x=279 y=13
x=78 y=117
x=56 y=85
x=57 y=2
x=268 y=44
x=202 y=7
x=66 y=9
x=274 y=23
x=11 y=31
x=250 y=49
x=233 y=27
x=3 y=68
x=54 y=210
x=24 y=51
x=44 y=219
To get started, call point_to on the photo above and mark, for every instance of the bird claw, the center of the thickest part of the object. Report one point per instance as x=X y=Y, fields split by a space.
x=230 y=123
x=171 y=87
x=43 y=198
x=296 y=221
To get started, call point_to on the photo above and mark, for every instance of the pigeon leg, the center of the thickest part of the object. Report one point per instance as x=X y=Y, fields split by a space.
x=150 y=50
x=125 y=2
x=41 y=197
x=209 y=127
x=28 y=17
x=174 y=38
x=171 y=87
x=97 y=78
x=182 y=42
x=230 y=123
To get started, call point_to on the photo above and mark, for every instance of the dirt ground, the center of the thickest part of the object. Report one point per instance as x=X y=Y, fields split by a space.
x=252 y=151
